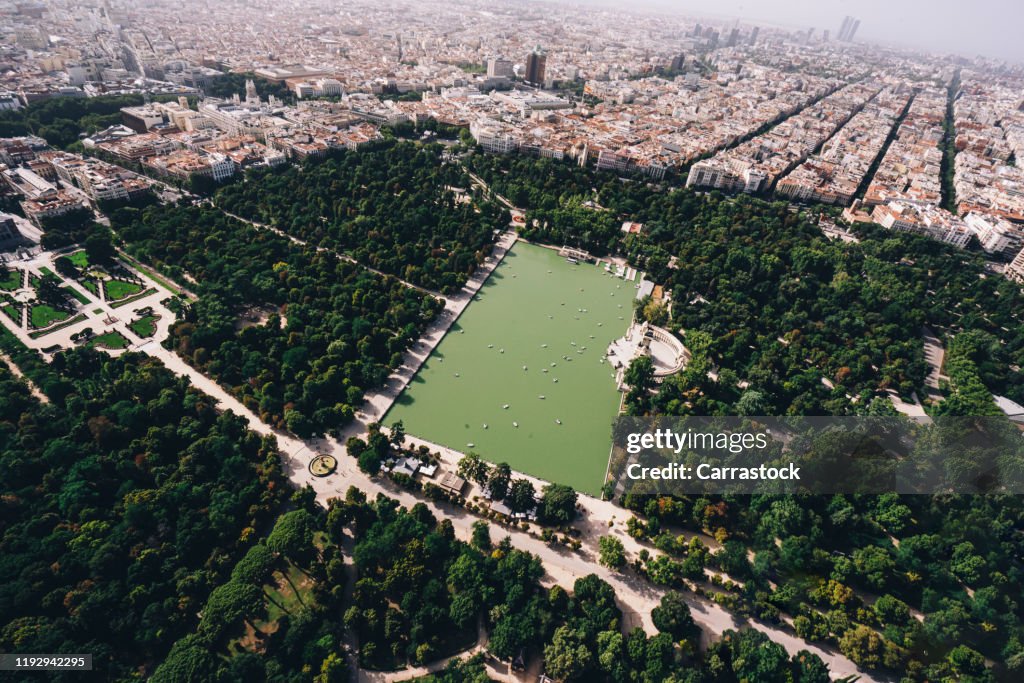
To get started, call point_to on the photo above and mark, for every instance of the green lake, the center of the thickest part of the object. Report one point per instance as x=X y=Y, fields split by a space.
x=539 y=327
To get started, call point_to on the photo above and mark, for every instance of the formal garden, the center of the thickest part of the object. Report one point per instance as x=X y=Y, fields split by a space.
x=103 y=276
x=112 y=340
x=145 y=324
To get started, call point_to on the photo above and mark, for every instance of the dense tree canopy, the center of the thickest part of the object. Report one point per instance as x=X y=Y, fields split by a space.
x=392 y=206
x=60 y=119
x=331 y=329
x=124 y=505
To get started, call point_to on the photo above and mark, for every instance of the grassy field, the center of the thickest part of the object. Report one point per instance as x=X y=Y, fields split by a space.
x=155 y=276
x=59 y=326
x=43 y=315
x=144 y=326
x=520 y=377
x=80 y=259
x=110 y=340
x=120 y=289
x=11 y=311
x=78 y=296
x=11 y=280
x=91 y=286
x=288 y=592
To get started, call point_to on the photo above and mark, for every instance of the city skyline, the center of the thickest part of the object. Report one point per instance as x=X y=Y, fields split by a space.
x=988 y=30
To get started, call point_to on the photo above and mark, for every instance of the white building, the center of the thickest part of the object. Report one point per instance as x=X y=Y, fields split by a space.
x=493 y=137
x=930 y=221
x=1015 y=271
x=997 y=235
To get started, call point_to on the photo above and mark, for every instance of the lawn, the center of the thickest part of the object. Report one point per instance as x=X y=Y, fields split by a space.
x=80 y=259
x=76 y=294
x=48 y=273
x=144 y=326
x=110 y=340
x=43 y=315
x=288 y=592
x=91 y=286
x=12 y=312
x=120 y=289
x=521 y=376
x=11 y=280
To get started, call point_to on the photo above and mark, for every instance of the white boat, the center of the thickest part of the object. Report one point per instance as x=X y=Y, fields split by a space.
x=554 y=364
x=501 y=350
x=485 y=425
x=524 y=367
x=558 y=422
x=541 y=397
x=457 y=374
x=490 y=346
x=505 y=407
x=571 y=260
x=543 y=346
x=470 y=445
x=555 y=380
x=515 y=424
x=544 y=370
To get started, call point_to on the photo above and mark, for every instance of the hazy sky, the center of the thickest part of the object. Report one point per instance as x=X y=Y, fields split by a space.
x=969 y=27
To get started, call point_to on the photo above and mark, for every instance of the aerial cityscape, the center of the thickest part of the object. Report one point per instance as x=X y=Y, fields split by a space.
x=325 y=326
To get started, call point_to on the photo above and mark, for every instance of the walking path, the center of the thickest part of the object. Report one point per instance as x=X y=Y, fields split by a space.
x=98 y=313
x=16 y=371
x=934 y=355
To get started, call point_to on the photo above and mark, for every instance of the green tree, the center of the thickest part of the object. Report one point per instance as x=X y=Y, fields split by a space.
x=228 y=605
x=558 y=504
x=567 y=656
x=481 y=537
x=611 y=552
x=99 y=247
x=499 y=480
x=256 y=567
x=292 y=536
x=863 y=646
x=672 y=616
x=189 y=660
x=640 y=373
x=521 y=496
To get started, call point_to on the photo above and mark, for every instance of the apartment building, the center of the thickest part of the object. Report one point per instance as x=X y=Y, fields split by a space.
x=929 y=221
